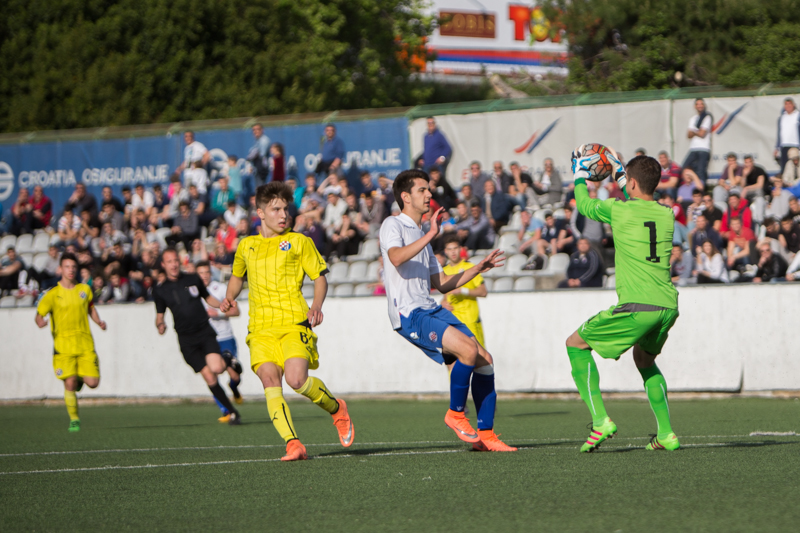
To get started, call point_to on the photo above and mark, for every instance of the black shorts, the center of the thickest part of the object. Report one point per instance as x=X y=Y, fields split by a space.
x=196 y=346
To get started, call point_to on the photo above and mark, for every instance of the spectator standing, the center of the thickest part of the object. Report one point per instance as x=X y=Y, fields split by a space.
x=585 y=268
x=10 y=267
x=194 y=152
x=710 y=265
x=436 y=150
x=788 y=131
x=548 y=184
x=771 y=266
x=258 y=155
x=670 y=173
x=699 y=135
x=333 y=152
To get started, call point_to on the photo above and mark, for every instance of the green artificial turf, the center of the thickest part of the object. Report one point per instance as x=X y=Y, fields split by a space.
x=406 y=472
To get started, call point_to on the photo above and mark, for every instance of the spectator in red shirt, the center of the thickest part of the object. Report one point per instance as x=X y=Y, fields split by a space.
x=278 y=162
x=670 y=174
x=669 y=201
x=42 y=208
x=739 y=239
x=737 y=208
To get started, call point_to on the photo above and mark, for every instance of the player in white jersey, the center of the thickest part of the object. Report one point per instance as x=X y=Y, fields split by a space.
x=410 y=268
x=227 y=342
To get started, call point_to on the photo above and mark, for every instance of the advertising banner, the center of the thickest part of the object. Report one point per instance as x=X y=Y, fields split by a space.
x=530 y=136
x=377 y=146
x=498 y=35
x=745 y=125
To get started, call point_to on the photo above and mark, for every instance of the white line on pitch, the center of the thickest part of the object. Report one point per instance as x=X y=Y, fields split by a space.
x=208 y=463
x=267 y=446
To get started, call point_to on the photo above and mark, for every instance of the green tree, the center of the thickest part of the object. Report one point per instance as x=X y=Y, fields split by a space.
x=709 y=41
x=87 y=63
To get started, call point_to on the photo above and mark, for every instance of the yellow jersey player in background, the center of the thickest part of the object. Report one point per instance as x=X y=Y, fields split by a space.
x=463 y=302
x=280 y=332
x=74 y=359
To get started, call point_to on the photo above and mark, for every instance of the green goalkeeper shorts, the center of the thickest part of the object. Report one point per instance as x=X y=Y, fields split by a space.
x=612 y=332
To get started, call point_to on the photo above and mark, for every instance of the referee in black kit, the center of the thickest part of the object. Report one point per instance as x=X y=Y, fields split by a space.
x=181 y=293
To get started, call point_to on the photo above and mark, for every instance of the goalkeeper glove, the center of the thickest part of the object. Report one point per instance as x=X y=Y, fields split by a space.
x=618 y=171
x=581 y=164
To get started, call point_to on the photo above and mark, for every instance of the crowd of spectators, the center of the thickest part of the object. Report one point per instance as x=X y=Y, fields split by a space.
x=742 y=228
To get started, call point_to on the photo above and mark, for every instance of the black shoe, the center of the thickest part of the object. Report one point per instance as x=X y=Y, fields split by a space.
x=235 y=419
x=236 y=365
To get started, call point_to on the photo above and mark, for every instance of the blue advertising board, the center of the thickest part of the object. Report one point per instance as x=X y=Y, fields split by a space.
x=377 y=146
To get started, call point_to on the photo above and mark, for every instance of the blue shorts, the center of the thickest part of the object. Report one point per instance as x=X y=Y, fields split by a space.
x=424 y=328
x=227 y=348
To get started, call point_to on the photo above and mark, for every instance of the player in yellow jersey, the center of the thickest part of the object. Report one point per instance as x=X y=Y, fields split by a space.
x=280 y=333
x=463 y=302
x=74 y=360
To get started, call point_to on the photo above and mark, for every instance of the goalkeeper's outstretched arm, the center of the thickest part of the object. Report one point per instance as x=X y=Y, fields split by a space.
x=593 y=208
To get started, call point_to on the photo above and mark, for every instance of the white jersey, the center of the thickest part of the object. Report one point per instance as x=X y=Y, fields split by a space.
x=408 y=286
x=700 y=143
x=221 y=324
x=194 y=152
x=789 y=129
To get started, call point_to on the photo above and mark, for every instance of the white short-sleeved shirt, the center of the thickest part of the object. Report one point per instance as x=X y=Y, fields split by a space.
x=408 y=286
x=197 y=177
x=790 y=136
x=700 y=143
x=143 y=203
x=194 y=152
x=221 y=324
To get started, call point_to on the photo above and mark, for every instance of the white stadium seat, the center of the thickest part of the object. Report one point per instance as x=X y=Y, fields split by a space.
x=24 y=244
x=370 y=249
x=357 y=272
x=363 y=289
x=503 y=285
x=40 y=260
x=25 y=301
x=8 y=301
x=372 y=271
x=515 y=263
x=338 y=272
x=611 y=282
x=524 y=284
x=26 y=258
x=509 y=243
x=41 y=242
x=9 y=241
x=308 y=292
x=489 y=282
x=345 y=289
x=558 y=263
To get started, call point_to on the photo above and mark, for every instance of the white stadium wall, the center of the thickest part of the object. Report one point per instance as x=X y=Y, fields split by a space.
x=726 y=339
x=744 y=125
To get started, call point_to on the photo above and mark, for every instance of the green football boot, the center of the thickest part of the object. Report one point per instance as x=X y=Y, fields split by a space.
x=74 y=425
x=669 y=443
x=606 y=430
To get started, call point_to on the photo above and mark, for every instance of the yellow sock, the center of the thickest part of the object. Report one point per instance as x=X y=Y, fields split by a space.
x=316 y=391
x=279 y=413
x=71 y=399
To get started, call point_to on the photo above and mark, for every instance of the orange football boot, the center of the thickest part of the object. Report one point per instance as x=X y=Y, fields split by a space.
x=459 y=423
x=490 y=442
x=344 y=426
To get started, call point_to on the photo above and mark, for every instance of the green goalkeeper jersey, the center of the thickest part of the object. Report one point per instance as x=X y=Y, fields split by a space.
x=643 y=242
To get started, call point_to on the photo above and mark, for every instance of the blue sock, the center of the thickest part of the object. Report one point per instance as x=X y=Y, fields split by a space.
x=234 y=385
x=221 y=408
x=459 y=386
x=484 y=396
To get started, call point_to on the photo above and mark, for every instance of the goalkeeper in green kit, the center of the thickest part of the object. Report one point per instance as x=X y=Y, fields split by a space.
x=648 y=302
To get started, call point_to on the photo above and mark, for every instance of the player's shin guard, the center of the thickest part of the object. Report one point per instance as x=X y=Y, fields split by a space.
x=484 y=395
x=316 y=391
x=587 y=379
x=279 y=413
x=656 y=388
x=459 y=386
x=71 y=400
x=222 y=398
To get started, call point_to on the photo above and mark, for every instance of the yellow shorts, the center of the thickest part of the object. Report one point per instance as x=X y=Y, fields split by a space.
x=477 y=329
x=82 y=364
x=279 y=344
